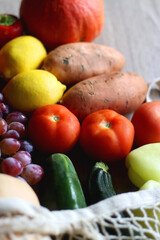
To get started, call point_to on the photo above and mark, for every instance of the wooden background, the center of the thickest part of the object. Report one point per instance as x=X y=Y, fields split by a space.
x=131 y=26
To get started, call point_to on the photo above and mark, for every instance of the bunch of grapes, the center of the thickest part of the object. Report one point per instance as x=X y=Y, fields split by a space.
x=15 y=150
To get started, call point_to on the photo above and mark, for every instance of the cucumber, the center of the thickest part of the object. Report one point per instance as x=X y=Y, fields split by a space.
x=62 y=190
x=99 y=183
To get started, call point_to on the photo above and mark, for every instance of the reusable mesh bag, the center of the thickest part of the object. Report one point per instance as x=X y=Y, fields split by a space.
x=134 y=215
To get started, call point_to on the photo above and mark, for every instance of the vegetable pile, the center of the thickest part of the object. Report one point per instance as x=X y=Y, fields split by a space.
x=74 y=97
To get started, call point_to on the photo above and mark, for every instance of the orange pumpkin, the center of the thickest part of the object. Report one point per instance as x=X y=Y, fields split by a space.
x=56 y=22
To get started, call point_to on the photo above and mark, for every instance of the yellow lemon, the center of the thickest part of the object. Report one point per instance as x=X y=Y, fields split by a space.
x=30 y=90
x=21 y=54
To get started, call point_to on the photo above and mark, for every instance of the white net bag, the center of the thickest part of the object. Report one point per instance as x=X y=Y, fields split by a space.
x=134 y=215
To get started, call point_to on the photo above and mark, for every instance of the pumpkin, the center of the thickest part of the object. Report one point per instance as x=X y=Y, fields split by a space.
x=57 y=22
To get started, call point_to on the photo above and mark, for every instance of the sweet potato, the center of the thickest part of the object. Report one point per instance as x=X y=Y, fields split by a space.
x=74 y=62
x=122 y=92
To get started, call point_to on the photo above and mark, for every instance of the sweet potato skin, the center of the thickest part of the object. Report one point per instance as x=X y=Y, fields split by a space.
x=122 y=92
x=74 y=62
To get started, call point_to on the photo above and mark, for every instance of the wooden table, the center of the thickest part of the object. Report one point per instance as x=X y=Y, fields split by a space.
x=132 y=27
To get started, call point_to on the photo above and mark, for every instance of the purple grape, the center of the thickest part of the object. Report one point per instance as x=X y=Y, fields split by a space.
x=3 y=126
x=1 y=97
x=11 y=134
x=24 y=157
x=5 y=109
x=32 y=173
x=11 y=166
x=1 y=114
x=26 y=146
x=19 y=127
x=16 y=117
x=9 y=146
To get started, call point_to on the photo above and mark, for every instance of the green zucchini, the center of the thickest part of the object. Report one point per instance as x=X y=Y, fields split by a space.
x=100 y=187
x=99 y=183
x=63 y=184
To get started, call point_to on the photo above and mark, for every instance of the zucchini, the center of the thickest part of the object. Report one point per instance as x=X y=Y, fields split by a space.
x=99 y=184
x=100 y=187
x=63 y=184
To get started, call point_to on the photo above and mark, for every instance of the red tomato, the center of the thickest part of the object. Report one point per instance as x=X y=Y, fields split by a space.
x=146 y=121
x=106 y=135
x=53 y=128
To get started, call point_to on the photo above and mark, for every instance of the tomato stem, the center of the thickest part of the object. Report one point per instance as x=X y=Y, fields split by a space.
x=55 y=118
x=108 y=125
x=105 y=124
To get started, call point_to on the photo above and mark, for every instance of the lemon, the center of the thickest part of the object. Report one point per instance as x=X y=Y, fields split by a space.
x=30 y=90
x=21 y=54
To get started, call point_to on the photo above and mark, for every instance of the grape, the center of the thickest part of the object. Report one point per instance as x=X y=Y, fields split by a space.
x=26 y=146
x=11 y=166
x=1 y=97
x=1 y=114
x=24 y=157
x=16 y=117
x=5 y=109
x=19 y=127
x=11 y=134
x=32 y=173
x=9 y=146
x=3 y=126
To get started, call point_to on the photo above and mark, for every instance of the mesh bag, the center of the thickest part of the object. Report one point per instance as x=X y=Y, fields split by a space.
x=134 y=215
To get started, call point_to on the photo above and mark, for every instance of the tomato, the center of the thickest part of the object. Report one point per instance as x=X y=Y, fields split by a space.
x=146 y=121
x=106 y=135
x=53 y=128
